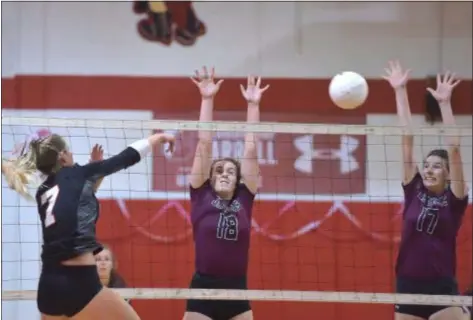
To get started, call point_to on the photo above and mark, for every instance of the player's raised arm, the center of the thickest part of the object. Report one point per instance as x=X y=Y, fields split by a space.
x=250 y=165
x=128 y=157
x=397 y=78
x=443 y=94
x=203 y=154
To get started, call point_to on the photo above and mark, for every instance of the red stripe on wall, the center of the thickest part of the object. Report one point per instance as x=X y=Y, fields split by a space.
x=174 y=94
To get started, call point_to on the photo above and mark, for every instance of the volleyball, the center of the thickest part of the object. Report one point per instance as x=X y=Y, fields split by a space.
x=348 y=90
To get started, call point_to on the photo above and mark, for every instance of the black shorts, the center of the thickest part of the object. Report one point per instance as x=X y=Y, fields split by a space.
x=218 y=309
x=441 y=286
x=66 y=290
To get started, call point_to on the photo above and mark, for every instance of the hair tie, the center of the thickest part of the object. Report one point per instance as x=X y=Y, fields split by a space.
x=32 y=141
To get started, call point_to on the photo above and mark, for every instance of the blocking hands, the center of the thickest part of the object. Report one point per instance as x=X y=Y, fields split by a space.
x=208 y=88
x=205 y=81
x=445 y=86
x=396 y=75
x=253 y=91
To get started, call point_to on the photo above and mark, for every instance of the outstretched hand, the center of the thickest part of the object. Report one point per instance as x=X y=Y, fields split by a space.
x=96 y=154
x=206 y=83
x=396 y=75
x=445 y=86
x=253 y=91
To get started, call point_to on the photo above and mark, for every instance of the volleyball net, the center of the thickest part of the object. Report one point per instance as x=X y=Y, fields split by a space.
x=325 y=228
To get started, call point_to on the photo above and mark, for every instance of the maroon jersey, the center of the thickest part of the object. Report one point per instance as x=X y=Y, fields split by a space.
x=222 y=231
x=430 y=227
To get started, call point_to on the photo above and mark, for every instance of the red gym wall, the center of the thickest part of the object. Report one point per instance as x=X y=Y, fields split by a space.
x=52 y=60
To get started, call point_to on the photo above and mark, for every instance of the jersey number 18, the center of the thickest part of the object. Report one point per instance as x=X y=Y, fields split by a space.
x=49 y=199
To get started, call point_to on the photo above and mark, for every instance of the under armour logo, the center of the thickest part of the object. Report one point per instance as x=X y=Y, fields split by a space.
x=348 y=146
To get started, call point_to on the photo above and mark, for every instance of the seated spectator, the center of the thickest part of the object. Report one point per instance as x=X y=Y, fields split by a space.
x=106 y=267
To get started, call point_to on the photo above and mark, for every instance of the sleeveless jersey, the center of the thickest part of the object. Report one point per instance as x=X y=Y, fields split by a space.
x=430 y=227
x=222 y=231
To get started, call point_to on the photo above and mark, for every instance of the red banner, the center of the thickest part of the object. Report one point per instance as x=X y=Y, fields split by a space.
x=295 y=164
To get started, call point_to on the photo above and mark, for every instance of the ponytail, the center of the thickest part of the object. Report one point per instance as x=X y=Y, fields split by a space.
x=20 y=172
x=37 y=154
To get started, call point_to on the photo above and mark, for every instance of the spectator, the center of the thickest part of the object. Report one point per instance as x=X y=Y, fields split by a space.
x=107 y=269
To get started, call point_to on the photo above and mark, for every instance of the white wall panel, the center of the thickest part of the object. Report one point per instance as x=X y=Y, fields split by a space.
x=10 y=38
x=298 y=39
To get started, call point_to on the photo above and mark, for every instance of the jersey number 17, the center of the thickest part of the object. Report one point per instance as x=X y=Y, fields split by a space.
x=49 y=199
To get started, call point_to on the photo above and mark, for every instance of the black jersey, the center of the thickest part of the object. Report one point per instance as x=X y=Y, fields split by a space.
x=69 y=209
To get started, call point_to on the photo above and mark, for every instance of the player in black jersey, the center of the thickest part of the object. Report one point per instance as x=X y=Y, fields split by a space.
x=69 y=286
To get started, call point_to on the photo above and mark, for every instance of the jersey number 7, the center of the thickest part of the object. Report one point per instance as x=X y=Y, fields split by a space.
x=49 y=199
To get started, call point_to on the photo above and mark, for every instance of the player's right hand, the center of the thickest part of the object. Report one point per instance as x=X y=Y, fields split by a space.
x=396 y=75
x=205 y=82
x=168 y=140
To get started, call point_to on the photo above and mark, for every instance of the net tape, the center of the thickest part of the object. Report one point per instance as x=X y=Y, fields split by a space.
x=235 y=126
x=273 y=295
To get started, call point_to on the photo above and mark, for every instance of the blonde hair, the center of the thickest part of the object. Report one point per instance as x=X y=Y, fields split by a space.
x=37 y=155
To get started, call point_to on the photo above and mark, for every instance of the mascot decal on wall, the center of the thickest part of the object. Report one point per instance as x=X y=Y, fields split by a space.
x=167 y=21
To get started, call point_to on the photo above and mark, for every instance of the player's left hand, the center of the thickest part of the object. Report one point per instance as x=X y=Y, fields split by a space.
x=96 y=154
x=445 y=86
x=253 y=91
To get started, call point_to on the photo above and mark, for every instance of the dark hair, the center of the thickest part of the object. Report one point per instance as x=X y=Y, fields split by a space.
x=441 y=153
x=38 y=155
x=232 y=160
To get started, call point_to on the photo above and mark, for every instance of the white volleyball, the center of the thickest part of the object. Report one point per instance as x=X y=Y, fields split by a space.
x=348 y=90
